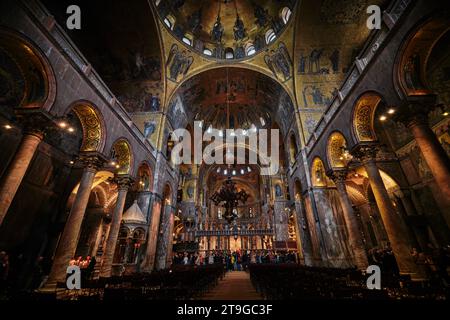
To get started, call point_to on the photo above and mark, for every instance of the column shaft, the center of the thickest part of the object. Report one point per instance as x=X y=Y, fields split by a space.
x=152 y=237
x=69 y=239
x=17 y=170
x=391 y=222
x=433 y=153
x=110 y=247
x=354 y=235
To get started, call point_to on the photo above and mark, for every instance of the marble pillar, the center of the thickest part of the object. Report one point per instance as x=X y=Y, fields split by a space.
x=148 y=263
x=391 y=220
x=354 y=235
x=433 y=153
x=69 y=239
x=281 y=220
x=164 y=237
x=123 y=183
x=304 y=234
x=17 y=169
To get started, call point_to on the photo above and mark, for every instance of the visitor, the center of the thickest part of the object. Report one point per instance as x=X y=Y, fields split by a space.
x=4 y=270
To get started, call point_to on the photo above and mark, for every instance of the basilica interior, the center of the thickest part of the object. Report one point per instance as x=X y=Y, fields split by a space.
x=87 y=131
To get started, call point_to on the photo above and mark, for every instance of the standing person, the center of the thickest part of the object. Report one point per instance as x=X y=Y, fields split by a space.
x=211 y=258
x=4 y=270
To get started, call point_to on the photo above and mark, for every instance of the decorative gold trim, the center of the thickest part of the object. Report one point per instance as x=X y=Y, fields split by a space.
x=92 y=129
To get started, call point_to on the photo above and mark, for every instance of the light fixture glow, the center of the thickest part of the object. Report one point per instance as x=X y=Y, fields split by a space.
x=383 y=118
x=8 y=127
x=70 y=129
x=391 y=111
x=62 y=124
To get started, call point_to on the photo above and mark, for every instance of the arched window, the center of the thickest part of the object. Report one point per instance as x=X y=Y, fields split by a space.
x=157 y=2
x=293 y=150
x=285 y=14
x=207 y=52
x=229 y=53
x=250 y=49
x=169 y=21
x=270 y=36
x=188 y=39
x=135 y=245
x=121 y=246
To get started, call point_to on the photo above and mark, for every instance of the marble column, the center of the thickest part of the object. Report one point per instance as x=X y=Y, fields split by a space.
x=392 y=224
x=69 y=239
x=17 y=169
x=281 y=220
x=165 y=238
x=169 y=249
x=152 y=237
x=354 y=235
x=304 y=234
x=123 y=183
x=432 y=151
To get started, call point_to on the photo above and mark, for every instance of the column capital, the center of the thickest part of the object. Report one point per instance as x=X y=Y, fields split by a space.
x=414 y=110
x=35 y=122
x=338 y=175
x=92 y=160
x=365 y=152
x=123 y=181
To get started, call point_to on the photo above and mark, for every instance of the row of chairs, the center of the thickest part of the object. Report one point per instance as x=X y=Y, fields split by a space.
x=294 y=282
x=180 y=283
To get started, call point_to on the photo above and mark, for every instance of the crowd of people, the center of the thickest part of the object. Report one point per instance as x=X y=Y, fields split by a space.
x=433 y=260
x=86 y=265
x=234 y=260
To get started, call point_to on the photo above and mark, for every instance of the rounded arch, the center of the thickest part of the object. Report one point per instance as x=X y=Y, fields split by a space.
x=412 y=59
x=145 y=177
x=337 y=152
x=259 y=69
x=363 y=116
x=318 y=176
x=297 y=190
x=122 y=155
x=27 y=75
x=94 y=134
x=293 y=147
x=167 y=194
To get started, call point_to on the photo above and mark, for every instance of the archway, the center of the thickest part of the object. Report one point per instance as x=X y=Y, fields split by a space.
x=337 y=152
x=27 y=79
x=92 y=124
x=293 y=148
x=413 y=58
x=363 y=117
x=121 y=157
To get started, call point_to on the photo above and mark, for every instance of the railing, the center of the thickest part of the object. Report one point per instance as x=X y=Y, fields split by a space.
x=225 y=233
x=47 y=21
x=376 y=40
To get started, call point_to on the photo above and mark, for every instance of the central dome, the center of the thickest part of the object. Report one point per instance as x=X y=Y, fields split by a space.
x=225 y=29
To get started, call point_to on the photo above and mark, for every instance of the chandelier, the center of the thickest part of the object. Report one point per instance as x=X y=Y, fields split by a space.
x=230 y=197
